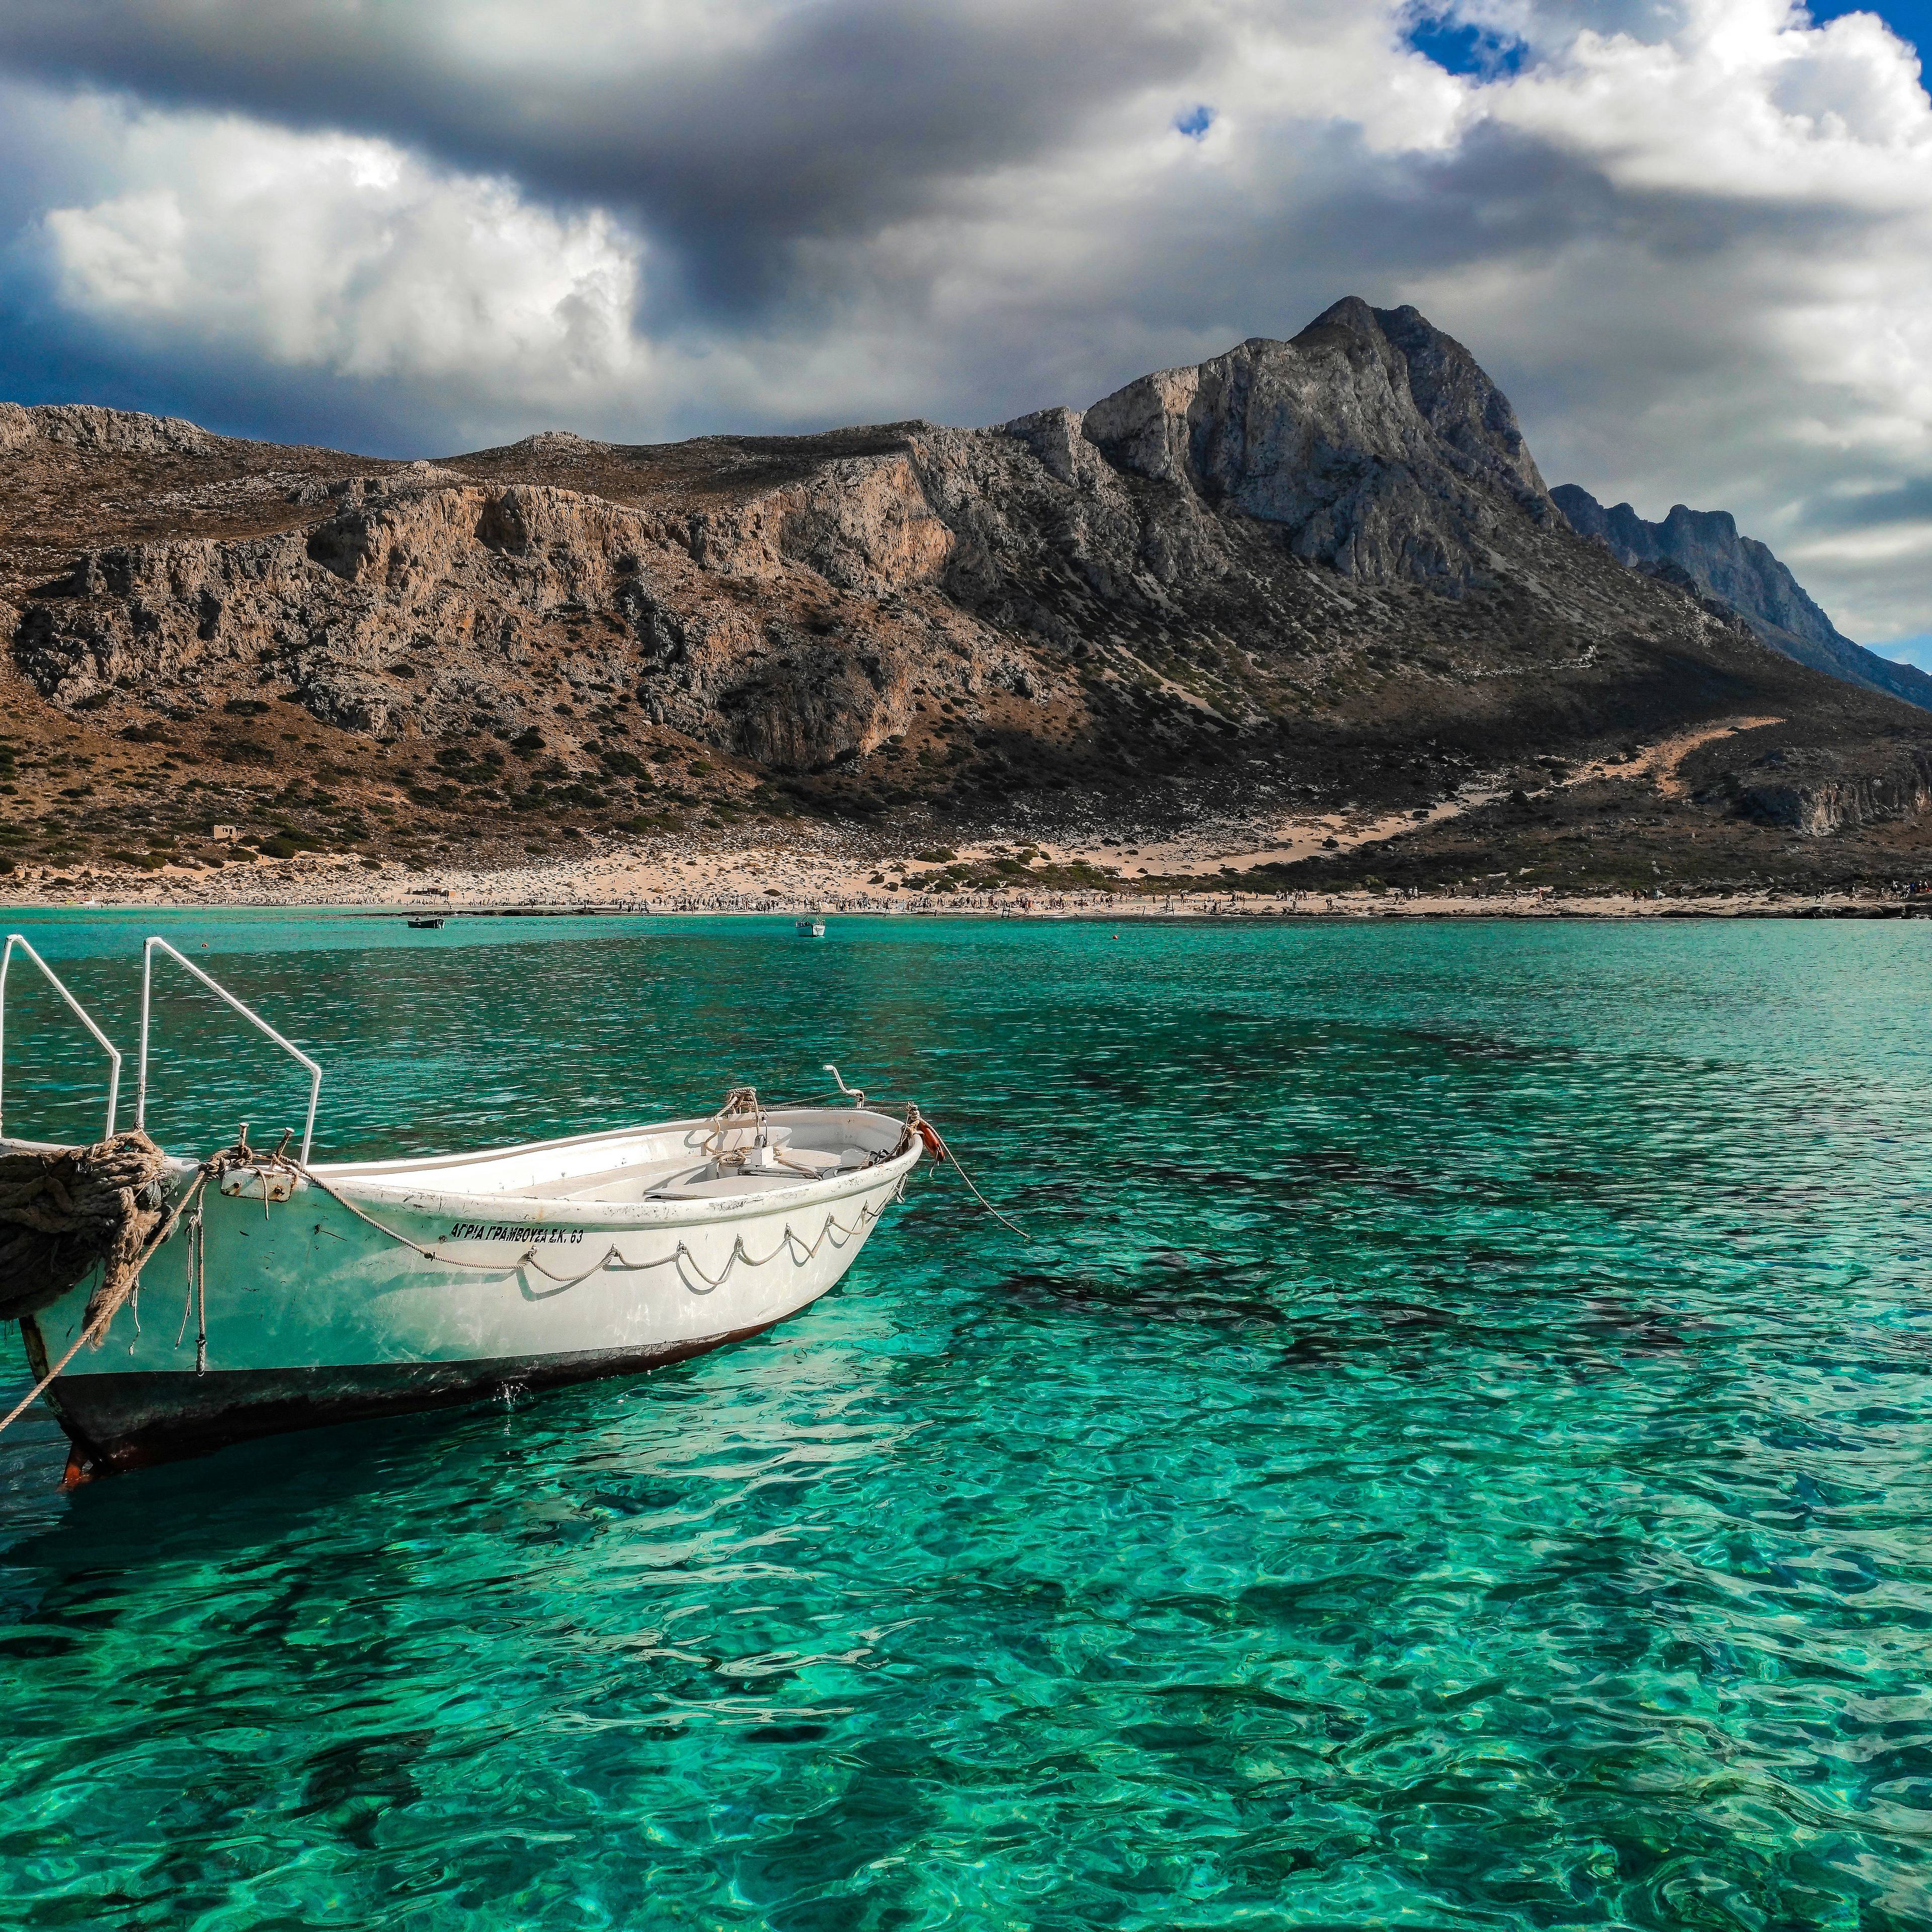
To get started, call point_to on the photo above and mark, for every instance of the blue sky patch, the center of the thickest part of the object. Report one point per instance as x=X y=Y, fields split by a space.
x=1462 y=48
x=1910 y=19
x=1914 y=651
x=1195 y=123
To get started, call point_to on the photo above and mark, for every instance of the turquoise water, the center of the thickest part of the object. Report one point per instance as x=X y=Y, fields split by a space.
x=1453 y=1455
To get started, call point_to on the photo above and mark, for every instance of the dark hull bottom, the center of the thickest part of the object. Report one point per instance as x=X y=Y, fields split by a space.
x=127 y=1421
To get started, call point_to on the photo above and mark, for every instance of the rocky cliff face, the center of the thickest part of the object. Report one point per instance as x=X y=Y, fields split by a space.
x=424 y=602
x=1742 y=573
x=1809 y=792
x=1372 y=440
x=1314 y=572
x=86 y=426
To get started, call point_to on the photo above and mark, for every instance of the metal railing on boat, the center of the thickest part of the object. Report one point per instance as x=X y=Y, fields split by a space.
x=19 y=940
x=248 y=1013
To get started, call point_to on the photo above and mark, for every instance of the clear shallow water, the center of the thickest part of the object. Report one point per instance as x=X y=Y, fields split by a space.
x=1455 y=1455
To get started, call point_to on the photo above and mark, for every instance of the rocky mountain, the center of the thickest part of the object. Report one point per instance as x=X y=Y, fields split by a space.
x=1738 y=571
x=1304 y=574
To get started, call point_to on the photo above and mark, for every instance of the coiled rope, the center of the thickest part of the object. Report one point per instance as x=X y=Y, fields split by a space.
x=65 y=1211
x=106 y=1302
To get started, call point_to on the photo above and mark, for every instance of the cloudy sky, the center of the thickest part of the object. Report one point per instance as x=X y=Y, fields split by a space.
x=1692 y=239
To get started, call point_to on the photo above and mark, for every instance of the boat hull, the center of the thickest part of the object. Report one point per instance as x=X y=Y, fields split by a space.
x=300 y=1304
x=121 y=1422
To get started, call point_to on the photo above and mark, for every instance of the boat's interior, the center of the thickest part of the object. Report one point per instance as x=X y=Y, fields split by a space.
x=683 y=1160
x=743 y=1167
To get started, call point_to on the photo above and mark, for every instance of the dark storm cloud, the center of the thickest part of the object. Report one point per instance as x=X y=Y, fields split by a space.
x=1909 y=501
x=1691 y=241
x=827 y=120
x=1324 y=215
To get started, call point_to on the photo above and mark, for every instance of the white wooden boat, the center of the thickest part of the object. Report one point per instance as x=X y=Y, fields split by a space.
x=810 y=928
x=294 y=1293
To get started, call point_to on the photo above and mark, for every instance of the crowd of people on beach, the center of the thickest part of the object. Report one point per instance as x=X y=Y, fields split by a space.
x=832 y=881
x=1034 y=905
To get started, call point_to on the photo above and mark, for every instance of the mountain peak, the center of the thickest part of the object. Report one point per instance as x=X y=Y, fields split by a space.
x=1375 y=438
x=1211 y=590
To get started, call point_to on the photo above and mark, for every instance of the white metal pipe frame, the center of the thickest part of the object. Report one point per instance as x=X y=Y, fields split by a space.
x=248 y=1013
x=15 y=939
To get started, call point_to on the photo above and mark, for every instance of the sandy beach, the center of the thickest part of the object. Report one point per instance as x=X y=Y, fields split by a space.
x=826 y=875
x=831 y=867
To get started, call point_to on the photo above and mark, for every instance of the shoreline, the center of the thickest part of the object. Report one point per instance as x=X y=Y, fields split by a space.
x=446 y=905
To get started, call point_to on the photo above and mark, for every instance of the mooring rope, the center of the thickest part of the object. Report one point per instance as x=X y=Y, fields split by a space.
x=740 y=1103
x=916 y=1123
x=215 y=1165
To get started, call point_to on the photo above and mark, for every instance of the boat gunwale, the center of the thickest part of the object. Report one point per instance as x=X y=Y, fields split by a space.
x=389 y=1185
x=355 y=1169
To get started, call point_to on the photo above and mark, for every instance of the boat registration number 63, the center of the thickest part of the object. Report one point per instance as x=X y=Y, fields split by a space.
x=503 y=1230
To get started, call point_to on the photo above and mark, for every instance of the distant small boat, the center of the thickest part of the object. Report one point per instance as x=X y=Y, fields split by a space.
x=811 y=928
x=425 y=926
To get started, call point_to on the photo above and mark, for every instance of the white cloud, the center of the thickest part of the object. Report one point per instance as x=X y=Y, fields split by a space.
x=1746 y=323
x=1693 y=237
x=349 y=255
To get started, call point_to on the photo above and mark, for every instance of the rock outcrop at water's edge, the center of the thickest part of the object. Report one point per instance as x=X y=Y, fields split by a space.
x=1304 y=575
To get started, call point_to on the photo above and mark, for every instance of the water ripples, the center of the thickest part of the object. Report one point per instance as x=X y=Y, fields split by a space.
x=1455 y=1453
